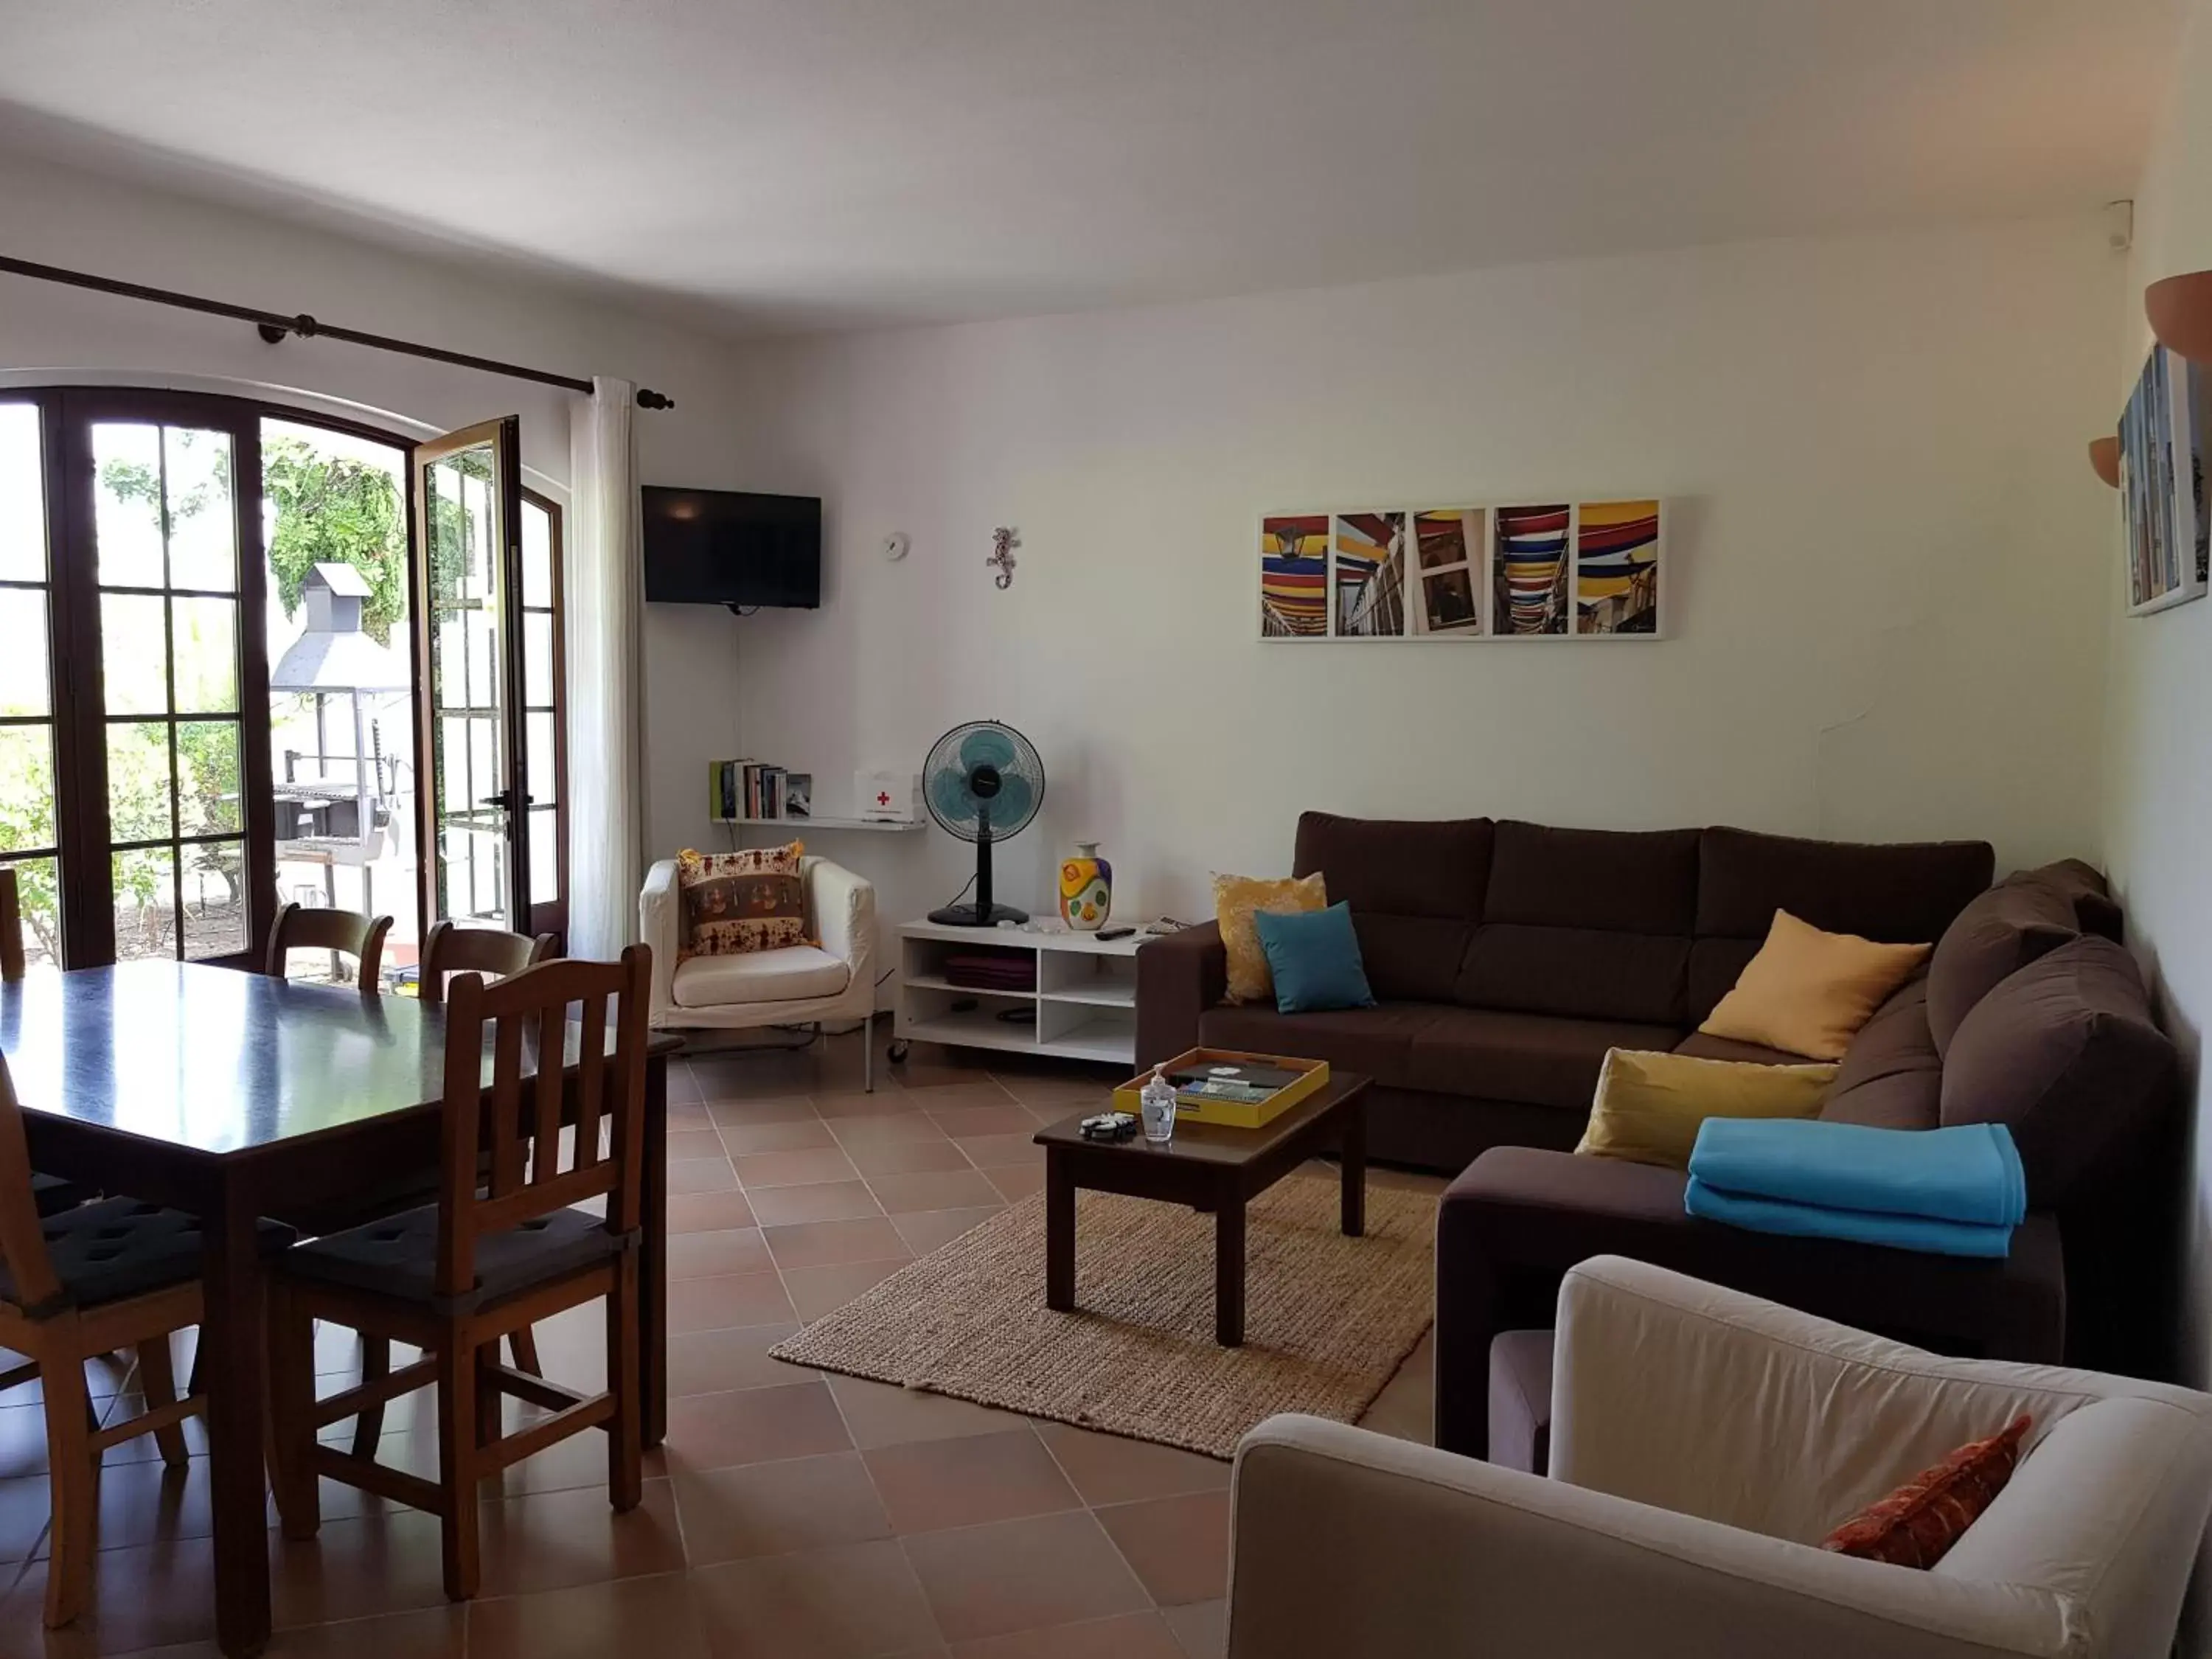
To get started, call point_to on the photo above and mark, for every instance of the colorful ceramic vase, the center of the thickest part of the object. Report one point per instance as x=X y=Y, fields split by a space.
x=1087 y=889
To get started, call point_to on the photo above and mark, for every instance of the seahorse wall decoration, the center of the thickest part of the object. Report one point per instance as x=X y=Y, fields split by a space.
x=1004 y=540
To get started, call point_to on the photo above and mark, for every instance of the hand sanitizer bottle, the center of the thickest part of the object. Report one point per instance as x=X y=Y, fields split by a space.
x=1159 y=1108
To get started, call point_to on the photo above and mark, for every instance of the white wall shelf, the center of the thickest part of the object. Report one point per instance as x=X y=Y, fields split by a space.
x=822 y=824
x=1083 y=1005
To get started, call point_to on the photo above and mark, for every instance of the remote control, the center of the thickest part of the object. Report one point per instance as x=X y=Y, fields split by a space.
x=1115 y=933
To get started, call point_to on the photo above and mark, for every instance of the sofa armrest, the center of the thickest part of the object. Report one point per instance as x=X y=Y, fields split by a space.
x=1179 y=976
x=660 y=925
x=1347 y=1545
x=842 y=907
x=1518 y=1217
x=1671 y=1391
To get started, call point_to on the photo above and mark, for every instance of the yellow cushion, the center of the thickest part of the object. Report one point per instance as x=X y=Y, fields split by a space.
x=1809 y=992
x=1649 y=1105
x=1236 y=898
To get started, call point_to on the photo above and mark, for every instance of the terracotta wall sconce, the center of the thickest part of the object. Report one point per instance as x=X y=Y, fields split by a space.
x=2105 y=459
x=2180 y=313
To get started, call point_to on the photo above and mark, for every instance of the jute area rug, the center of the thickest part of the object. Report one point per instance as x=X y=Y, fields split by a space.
x=1328 y=1318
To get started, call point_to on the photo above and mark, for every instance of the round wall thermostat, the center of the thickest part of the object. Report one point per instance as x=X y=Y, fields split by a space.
x=896 y=545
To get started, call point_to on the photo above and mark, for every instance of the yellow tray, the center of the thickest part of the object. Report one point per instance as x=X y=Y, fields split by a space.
x=1231 y=1114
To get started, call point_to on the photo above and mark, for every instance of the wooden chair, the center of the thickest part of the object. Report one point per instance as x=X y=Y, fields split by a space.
x=451 y=950
x=453 y=1278
x=347 y=931
x=52 y=1193
x=11 y=926
x=117 y=1275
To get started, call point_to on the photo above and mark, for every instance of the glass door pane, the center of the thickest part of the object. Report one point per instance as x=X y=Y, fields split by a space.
x=165 y=527
x=468 y=522
x=343 y=778
x=29 y=832
x=545 y=753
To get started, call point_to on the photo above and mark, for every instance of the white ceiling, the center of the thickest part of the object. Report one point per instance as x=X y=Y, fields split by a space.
x=773 y=164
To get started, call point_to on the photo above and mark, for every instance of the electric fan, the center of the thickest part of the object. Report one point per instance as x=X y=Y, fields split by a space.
x=983 y=782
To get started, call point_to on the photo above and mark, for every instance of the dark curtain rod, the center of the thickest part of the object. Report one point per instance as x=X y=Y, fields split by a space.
x=273 y=327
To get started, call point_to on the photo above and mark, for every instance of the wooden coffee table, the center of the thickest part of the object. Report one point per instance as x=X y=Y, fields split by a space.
x=1208 y=1167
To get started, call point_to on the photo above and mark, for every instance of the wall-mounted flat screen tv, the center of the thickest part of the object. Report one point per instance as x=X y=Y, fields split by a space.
x=731 y=547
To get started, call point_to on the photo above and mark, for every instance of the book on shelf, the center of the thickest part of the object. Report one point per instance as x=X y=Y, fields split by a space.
x=744 y=788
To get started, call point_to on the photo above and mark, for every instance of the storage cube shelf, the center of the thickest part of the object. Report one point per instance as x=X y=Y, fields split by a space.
x=1083 y=1005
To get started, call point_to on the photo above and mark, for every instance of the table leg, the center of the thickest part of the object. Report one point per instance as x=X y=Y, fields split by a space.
x=653 y=1258
x=1352 y=1155
x=1229 y=1272
x=1059 y=1234
x=232 y=1333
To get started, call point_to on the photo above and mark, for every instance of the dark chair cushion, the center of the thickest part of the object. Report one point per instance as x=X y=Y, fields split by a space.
x=1376 y=1041
x=1995 y=936
x=1537 y=1059
x=1415 y=890
x=398 y=1256
x=119 y=1248
x=51 y=1194
x=1521 y=1402
x=1905 y=893
x=2065 y=1054
x=1891 y=1076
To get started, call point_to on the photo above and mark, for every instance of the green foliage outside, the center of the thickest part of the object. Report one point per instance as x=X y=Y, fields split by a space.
x=329 y=509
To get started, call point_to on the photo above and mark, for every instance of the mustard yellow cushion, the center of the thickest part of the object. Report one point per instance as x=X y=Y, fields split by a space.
x=1236 y=898
x=1809 y=992
x=1649 y=1105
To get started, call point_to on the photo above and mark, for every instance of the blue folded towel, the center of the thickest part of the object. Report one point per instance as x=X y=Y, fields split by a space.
x=1898 y=1232
x=1958 y=1191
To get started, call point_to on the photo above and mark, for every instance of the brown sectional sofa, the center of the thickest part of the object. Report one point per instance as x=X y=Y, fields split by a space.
x=1508 y=957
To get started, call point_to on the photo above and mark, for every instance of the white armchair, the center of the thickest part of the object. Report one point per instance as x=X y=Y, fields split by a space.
x=799 y=985
x=1703 y=1442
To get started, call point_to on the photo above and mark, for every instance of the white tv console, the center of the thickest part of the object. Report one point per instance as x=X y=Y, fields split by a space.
x=1084 y=1006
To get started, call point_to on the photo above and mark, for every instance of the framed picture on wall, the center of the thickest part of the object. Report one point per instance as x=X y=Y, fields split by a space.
x=2167 y=533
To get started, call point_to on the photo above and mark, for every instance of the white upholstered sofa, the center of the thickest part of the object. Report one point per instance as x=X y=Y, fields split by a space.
x=800 y=985
x=1703 y=1443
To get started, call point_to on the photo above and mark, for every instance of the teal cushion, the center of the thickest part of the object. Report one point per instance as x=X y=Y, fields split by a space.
x=1314 y=958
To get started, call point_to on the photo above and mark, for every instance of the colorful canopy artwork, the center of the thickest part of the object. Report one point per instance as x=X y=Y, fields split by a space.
x=1294 y=574
x=1532 y=552
x=1616 y=566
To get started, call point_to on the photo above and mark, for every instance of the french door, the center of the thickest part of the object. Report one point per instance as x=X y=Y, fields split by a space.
x=248 y=656
x=489 y=644
x=160 y=757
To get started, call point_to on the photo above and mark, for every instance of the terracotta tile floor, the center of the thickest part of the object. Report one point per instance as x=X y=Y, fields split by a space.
x=791 y=1515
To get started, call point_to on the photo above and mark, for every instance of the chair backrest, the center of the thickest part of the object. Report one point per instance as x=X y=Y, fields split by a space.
x=299 y=928
x=451 y=950
x=11 y=926
x=22 y=1240
x=526 y=1018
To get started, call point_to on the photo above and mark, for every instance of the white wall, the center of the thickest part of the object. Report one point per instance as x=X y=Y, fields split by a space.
x=1890 y=603
x=2158 y=762
x=53 y=335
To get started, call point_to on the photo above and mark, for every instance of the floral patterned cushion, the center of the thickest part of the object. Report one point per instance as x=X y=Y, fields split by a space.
x=735 y=903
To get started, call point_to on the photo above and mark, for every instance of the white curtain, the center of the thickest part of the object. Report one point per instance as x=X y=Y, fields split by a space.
x=602 y=597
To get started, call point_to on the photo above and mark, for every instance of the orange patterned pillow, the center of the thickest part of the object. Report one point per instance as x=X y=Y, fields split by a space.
x=1235 y=900
x=735 y=903
x=1922 y=1518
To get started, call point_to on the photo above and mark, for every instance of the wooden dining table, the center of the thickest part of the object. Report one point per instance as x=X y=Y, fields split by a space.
x=233 y=1096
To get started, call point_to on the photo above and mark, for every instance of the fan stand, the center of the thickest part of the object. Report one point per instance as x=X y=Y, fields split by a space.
x=982 y=913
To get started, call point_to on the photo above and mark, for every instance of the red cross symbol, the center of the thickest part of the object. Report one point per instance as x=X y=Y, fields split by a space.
x=883 y=798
